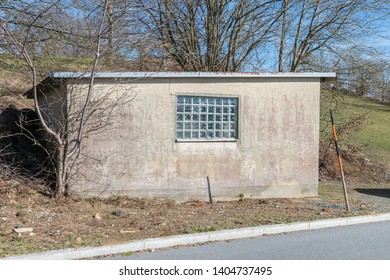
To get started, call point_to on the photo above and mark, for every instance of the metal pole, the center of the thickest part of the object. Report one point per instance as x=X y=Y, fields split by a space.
x=209 y=187
x=340 y=161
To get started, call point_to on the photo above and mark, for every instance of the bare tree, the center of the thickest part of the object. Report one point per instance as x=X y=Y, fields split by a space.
x=382 y=82
x=78 y=115
x=309 y=27
x=369 y=77
x=63 y=34
x=209 y=35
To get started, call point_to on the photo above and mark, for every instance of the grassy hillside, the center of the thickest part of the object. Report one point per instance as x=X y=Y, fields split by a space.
x=362 y=122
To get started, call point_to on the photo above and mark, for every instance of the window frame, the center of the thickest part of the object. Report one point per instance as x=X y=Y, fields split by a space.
x=208 y=95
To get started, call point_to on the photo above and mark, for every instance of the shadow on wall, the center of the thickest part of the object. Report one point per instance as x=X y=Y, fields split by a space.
x=375 y=192
x=20 y=142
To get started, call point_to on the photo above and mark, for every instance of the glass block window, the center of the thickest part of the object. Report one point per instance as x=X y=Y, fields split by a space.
x=206 y=118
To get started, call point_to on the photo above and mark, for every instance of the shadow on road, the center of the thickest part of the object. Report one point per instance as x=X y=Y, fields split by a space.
x=375 y=192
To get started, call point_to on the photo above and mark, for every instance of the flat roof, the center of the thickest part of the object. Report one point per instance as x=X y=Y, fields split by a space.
x=56 y=77
x=325 y=76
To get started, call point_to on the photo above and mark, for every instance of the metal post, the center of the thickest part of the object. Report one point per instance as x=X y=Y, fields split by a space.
x=209 y=187
x=340 y=161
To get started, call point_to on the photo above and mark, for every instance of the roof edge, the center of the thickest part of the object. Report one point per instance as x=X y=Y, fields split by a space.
x=54 y=77
x=47 y=83
x=324 y=76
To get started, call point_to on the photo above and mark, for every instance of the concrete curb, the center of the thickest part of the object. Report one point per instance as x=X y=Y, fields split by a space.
x=190 y=239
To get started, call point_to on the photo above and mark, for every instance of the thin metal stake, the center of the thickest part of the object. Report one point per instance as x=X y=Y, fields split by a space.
x=209 y=187
x=340 y=161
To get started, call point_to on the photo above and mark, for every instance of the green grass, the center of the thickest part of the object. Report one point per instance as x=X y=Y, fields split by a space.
x=65 y=64
x=377 y=132
x=44 y=64
x=372 y=136
x=199 y=229
x=8 y=63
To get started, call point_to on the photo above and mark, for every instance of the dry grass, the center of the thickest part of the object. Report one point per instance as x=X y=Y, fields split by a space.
x=79 y=222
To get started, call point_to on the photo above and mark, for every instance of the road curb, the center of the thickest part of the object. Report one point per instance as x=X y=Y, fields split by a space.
x=191 y=239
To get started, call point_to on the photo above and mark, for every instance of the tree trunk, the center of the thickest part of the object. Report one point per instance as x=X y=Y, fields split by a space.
x=110 y=18
x=60 y=184
x=283 y=35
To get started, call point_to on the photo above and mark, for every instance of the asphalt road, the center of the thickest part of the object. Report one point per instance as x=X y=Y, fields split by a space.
x=358 y=242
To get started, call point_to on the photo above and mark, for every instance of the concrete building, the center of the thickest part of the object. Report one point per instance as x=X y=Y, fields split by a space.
x=252 y=134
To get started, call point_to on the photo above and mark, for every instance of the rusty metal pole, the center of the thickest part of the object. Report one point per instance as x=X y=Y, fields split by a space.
x=340 y=161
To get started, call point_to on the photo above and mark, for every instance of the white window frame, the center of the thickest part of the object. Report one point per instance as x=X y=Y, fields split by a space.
x=206 y=118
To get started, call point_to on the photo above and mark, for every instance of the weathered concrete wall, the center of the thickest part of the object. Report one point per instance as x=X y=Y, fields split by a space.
x=276 y=154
